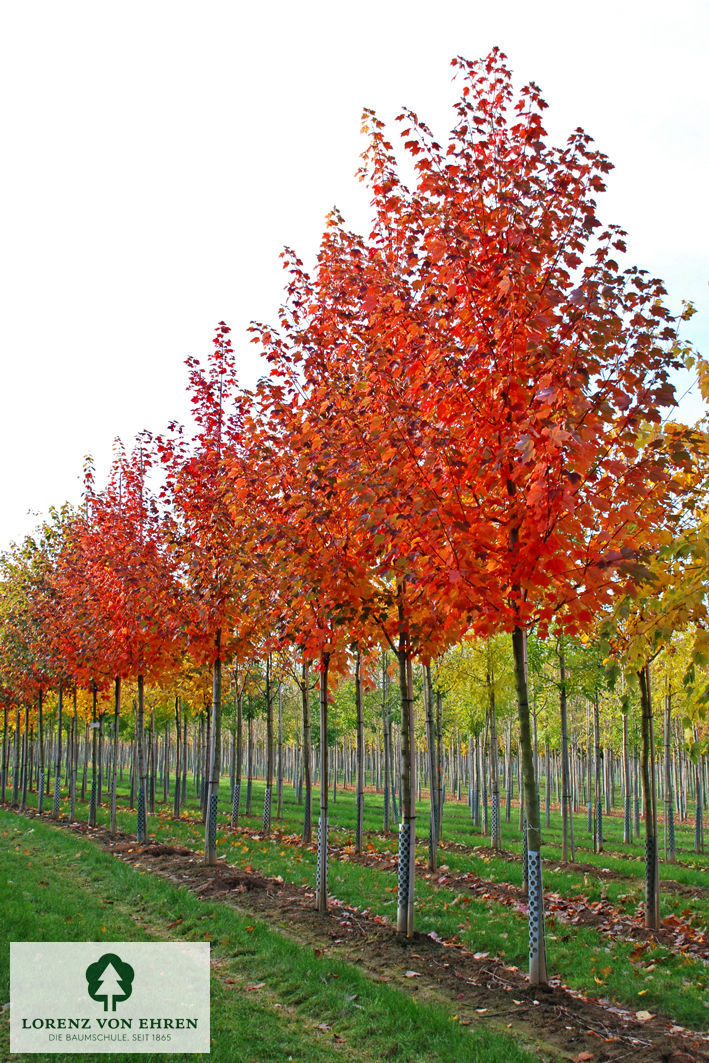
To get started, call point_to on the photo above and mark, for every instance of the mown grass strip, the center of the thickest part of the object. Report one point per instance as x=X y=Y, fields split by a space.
x=585 y=959
x=64 y=887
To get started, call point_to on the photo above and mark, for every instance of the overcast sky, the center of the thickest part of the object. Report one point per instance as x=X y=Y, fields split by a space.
x=157 y=156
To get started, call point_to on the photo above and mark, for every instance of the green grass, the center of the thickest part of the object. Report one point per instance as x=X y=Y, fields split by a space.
x=64 y=887
x=584 y=958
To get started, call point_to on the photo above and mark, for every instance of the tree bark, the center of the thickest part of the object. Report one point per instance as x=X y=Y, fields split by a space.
x=321 y=872
x=307 y=758
x=142 y=769
x=57 y=756
x=432 y=772
x=647 y=771
x=40 y=781
x=268 y=792
x=93 y=799
x=114 y=767
x=537 y=943
x=670 y=847
x=215 y=753
x=180 y=766
x=239 y=752
x=567 y=843
x=496 y=824
x=360 y=753
x=407 y=830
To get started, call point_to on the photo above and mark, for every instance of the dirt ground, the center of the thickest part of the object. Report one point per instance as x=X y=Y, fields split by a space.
x=556 y=1022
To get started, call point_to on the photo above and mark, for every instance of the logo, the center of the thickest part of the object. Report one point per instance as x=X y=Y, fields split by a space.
x=110 y=980
x=109 y=996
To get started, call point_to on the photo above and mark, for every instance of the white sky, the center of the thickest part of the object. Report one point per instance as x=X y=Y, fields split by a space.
x=157 y=156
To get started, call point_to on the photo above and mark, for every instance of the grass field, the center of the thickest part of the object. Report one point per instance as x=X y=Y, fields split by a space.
x=63 y=887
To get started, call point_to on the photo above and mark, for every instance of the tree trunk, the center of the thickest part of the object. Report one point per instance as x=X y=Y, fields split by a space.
x=307 y=758
x=407 y=830
x=180 y=765
x=114 y=767
x=627 y=797
x=567 y=842
x=239 y=754
x=215 y=753
x=40 y=781
x=496 y=825
x=647 y=768
x=321 y=872
x=268 y=792
x=670 y=848
x=431 y=743
x=142 y=769
x=386 y=739
x=57 y=757
x=360 y=753
x=537 y=944
x=598 y=780
x=93 y=799
x=279 y=762
x=74 y=762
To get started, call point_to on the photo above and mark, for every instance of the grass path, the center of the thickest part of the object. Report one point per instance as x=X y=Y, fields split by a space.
x=60 y=886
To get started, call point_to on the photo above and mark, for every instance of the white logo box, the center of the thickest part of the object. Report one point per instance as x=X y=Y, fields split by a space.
x=163 y=1006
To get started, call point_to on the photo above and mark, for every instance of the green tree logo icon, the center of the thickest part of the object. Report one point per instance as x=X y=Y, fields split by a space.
x=110 y=980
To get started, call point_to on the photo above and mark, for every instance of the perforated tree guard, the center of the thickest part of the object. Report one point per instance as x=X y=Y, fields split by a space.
x=599 y=822
x=627 y=819
x=92 y=803
x=404 y=857
x=671 y=831
x=321 y=865
x=495 y=817
x=267 y=797
x=40 y=792
x=212 y=823
x=698 y=827
x=535 y=895
x=142 y=825
x=235 y=801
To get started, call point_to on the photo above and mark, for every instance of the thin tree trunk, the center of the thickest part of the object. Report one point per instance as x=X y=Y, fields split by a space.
x=215 y=752
x=142 y=768
x=279 y=763
x=321 y=872
x=180 y=765
x=496 y=824
x=670 y=848
x=431 y=743
x=537 y=944
x=114 y=767
x=93 y=800
x=267 y=797
x=386 y=739
x=239 y=753
x=627 y=797
x=407 y=831
x=567 y=843
x=307 y=758
x=40 y=781
x=360 y=753
x=647 y=767
x=57 y=757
